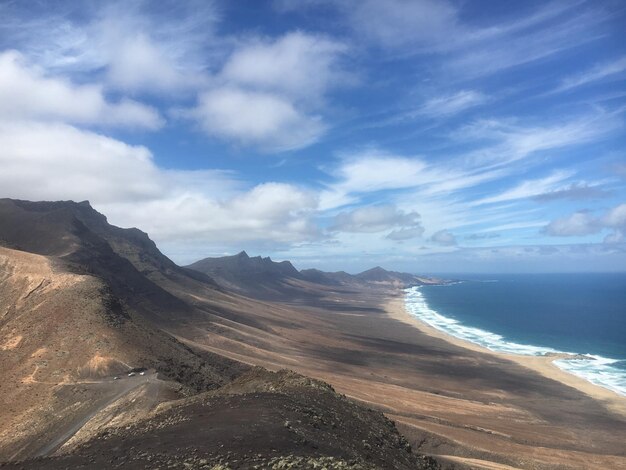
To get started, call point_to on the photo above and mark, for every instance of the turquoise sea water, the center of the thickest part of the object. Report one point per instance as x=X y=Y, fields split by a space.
x=583 y=314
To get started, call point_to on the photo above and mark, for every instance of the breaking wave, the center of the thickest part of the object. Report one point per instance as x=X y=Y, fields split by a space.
x=602 y=371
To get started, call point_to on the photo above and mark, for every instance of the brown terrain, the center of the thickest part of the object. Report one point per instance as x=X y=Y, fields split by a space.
x=82 y=302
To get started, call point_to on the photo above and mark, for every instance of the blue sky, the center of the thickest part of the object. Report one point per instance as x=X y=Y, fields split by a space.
x=421 y=135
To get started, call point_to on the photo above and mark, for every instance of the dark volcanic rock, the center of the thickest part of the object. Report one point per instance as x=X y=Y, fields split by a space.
x=261 y=420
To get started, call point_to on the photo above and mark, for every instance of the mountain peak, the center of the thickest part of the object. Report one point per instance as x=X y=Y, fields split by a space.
x=245 y=273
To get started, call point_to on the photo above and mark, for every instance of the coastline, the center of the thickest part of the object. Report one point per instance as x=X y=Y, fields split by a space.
x=543 y=365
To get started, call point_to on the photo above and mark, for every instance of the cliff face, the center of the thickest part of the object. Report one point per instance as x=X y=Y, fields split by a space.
x=80 y=237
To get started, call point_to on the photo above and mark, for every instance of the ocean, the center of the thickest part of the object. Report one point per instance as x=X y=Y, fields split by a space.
x=536 y=314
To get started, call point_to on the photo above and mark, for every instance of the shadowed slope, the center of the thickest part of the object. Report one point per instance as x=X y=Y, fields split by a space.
x=78 y=311
x=247 y=275
x=99 y=301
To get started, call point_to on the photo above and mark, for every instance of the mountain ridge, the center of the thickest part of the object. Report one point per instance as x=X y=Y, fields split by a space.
x=252 y=275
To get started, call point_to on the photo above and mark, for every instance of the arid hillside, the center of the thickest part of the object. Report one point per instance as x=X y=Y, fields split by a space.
x=90 y=363
x=83 y=302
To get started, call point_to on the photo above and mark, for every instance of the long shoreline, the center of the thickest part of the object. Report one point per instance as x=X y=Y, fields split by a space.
x=544 y=365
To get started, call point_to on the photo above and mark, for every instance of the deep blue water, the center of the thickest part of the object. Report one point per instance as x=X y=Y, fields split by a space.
x=537 y=314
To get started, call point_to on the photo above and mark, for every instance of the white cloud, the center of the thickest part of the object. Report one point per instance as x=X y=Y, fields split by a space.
x=433 y=189
x=597 y=73
x=374 y=170
x=256 y=118
x=269 y=93
x=56 y=161
x=585 y=223
x=512 y=226
x=443 y=238
x=270 y=212
x=439 y=27
x=303 y=66
x=448 y=105
x=615 y=237
x=616 y=217
x=548 y=31
x=162 y=49
x=578 y=223
x=406 y=233
x=136 y=63
x=59 y=162
x=372 y=219
x=26 y=93
x=528 y=188
x=133 y=46
x=573 y=191
x=396 y=23
x=506 y=141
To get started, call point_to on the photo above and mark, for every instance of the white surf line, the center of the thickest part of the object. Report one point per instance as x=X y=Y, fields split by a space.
x=595 y=369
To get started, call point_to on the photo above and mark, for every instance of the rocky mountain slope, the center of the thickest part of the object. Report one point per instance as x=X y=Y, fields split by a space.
x=83 y=303
x=260 y=420
x=246 y=274
x=380 y=275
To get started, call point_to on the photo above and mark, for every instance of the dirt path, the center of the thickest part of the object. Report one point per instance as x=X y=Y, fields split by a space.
x=118 y=388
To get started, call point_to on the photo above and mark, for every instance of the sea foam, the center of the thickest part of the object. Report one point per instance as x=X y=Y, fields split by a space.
x=595 y=369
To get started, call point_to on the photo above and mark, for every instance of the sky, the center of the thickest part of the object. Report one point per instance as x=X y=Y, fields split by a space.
x=421 y=135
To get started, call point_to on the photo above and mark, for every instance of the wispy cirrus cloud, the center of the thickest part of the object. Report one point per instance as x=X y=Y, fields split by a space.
x=505 y=140
x=575 y=191
x=126 y=44
x=528 y=188
x=522 y=43
x=468 y=50
x=446 y=105
x=612 y=69
x=374 y=170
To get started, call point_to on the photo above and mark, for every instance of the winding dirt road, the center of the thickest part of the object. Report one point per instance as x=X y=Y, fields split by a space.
x=111 y=391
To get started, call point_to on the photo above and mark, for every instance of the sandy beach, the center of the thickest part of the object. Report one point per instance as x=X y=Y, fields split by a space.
x=544 y=365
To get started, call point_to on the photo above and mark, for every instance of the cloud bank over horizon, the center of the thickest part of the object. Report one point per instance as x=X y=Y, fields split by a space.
x=427 y=136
